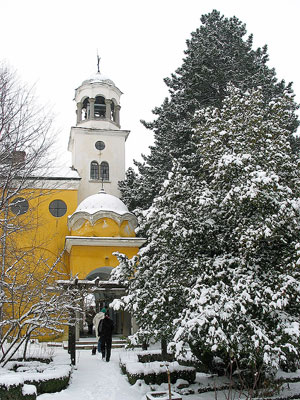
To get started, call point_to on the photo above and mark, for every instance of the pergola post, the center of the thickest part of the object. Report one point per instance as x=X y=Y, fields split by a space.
x=72 y=338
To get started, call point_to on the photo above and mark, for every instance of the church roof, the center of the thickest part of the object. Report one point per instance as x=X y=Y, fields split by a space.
x=102 y=202
x=98 y=78
x=99 y=206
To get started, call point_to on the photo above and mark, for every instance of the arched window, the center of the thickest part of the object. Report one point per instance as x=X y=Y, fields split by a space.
x=94 y=173
x=100 y=107
x=104 y=171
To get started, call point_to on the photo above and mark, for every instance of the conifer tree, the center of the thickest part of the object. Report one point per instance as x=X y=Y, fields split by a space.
x=244 y=299
x=217 y=53
x=154 y=280
x=221 y=267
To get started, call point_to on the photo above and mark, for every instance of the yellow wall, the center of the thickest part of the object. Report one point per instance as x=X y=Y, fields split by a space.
x=44 y=238
x=51 y=231
x=85 y=259
x=36 y=245
x=42 y=229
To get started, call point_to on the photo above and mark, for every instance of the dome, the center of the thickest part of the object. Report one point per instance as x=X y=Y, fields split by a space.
x=98 y=78
x=99 y=206
x=102 y=202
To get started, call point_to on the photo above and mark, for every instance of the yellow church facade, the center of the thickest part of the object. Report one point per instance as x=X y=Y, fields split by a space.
x=77 y=220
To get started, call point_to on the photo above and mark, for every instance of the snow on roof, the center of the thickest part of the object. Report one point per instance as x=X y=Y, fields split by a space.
x=57 y=165
x=62 y=171
x=95 y=78
x=102 y=202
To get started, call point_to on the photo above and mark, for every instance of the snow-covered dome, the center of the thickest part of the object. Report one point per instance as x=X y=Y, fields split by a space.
x=102 y=202
x=99 y=206
x=98 y=78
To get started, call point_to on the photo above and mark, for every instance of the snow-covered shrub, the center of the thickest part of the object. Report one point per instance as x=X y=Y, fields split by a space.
x=145 y=357
x=29 y=392
x=51 y=385
x=155 y=372
x=47 y=378
x=11 y=387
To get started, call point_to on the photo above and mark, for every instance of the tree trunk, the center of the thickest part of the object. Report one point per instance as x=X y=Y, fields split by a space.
x=164 y=352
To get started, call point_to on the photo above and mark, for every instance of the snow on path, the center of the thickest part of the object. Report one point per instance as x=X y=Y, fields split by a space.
x=95 y=379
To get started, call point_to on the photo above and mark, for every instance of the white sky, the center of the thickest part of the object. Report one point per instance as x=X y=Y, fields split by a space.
x=54 y=45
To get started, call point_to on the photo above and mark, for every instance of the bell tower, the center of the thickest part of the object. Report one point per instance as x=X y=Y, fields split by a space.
x=97 y=142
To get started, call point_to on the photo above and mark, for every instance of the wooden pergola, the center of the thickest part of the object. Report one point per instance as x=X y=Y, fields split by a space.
x=94 y=286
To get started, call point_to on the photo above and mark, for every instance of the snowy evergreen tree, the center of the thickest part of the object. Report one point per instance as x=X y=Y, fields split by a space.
x=154 y=281
x=221 y=267
x=218 y=53
x=244 y=301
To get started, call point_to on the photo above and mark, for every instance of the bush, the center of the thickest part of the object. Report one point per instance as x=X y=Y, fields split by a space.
x=123 y=367
x=46 y=360
x=153 y=373
x=199 y=367
x=29 y=392
x=50 y=385
x=46 y=378
x=150 y=357
x=13 y=392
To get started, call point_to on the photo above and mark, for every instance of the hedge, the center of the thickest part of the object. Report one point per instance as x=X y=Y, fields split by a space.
x=154 y=373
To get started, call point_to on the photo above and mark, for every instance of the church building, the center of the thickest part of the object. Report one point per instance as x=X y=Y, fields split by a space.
x=101 y=223
x=78 y=211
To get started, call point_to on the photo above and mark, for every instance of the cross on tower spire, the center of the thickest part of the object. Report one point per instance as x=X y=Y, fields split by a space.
x=98 y=62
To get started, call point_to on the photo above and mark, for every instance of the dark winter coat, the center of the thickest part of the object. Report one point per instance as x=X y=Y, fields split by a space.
x=105 y=327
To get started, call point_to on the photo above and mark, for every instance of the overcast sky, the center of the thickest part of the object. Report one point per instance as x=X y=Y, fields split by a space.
x=53 y=44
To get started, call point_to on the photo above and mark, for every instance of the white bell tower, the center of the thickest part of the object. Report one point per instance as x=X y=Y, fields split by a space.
x=97 y=142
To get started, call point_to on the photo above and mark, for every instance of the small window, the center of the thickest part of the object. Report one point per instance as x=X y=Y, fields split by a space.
x=19 y=206
x=94 y=174
x=100 y=145
x=57 y=208
x=104 y=171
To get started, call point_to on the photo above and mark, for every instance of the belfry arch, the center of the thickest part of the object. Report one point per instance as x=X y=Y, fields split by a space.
x=100 y=109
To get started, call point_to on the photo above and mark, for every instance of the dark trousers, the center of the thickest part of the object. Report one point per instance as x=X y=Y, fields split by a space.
x=106 y=347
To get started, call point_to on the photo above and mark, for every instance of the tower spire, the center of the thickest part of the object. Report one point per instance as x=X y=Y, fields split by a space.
x=98 y=62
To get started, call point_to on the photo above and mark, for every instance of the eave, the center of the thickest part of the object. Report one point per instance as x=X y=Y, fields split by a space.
x=87 y=241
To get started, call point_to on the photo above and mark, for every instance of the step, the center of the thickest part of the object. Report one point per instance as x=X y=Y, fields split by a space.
x=88 y=345
x=94 y=342
x=54 y=344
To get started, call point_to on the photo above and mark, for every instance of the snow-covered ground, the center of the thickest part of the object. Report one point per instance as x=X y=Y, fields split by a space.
x=94 y=379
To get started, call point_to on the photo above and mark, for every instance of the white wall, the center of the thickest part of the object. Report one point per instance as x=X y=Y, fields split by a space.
x=82 y=145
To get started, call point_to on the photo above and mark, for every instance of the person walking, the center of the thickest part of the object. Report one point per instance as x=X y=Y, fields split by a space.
x=105 y=330
x=97 y=318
